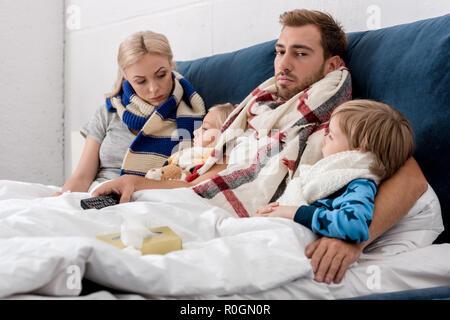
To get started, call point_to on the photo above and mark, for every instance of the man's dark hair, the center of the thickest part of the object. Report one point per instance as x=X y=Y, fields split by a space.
x=334 y=39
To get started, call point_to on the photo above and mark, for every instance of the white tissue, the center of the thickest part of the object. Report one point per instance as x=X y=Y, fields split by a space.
x=133 y=232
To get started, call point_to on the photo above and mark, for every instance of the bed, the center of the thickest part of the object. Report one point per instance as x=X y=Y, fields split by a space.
x=49 y=248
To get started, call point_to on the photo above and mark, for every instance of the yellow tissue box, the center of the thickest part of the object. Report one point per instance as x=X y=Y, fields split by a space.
x=165 y=241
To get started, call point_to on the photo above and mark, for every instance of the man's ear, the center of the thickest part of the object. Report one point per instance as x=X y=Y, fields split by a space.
x=333 y=63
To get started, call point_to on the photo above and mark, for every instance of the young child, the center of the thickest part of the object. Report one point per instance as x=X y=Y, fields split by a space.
x=205 y=138
x=366 y=142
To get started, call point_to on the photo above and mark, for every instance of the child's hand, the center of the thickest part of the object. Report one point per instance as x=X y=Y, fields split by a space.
x=275 y=210
x=267 y=208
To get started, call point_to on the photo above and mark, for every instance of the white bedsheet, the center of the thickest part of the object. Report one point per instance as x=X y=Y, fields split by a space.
x=44 y=239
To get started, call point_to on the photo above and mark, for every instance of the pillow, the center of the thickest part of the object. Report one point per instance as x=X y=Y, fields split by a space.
x=419 y=228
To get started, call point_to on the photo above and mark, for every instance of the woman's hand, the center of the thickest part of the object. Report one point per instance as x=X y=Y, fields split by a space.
x=123 y=186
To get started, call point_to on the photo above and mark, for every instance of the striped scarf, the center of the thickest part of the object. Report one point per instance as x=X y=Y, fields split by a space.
x=162 y=129
x=270 y=140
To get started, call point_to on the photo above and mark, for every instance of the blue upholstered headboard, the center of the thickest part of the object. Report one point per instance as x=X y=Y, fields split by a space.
x=406 y=66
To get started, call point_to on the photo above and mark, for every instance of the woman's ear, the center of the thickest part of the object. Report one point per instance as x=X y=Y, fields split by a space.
x=122 y=73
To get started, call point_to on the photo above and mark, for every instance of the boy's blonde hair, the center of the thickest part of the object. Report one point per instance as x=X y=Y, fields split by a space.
x=222 y=112
x=379 y=128
x=134 y=47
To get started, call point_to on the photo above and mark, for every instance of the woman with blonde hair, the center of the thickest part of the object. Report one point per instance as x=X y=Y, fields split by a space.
x=150 y=108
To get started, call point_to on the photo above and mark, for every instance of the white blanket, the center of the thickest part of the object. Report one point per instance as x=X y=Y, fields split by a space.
x=47 y=244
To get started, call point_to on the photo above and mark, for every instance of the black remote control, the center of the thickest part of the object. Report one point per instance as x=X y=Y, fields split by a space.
x=100 y=202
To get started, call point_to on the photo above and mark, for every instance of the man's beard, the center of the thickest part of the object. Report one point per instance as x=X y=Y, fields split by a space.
x=285 y=94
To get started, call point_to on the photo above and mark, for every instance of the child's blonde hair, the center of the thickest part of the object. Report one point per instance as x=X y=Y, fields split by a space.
x=134 y=47
x=379 y=128
x=222 y=112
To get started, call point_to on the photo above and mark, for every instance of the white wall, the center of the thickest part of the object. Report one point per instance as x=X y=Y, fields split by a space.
x=31 y=90
x=32 y=62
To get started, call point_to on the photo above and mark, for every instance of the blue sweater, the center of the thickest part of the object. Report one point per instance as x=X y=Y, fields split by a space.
x=346 y=214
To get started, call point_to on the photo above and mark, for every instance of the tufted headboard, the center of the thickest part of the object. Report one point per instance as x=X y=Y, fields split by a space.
x=406 y=66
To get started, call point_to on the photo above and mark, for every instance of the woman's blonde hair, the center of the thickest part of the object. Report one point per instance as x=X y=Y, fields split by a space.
x=222 y=112
x=134 y=47
x=379 y=128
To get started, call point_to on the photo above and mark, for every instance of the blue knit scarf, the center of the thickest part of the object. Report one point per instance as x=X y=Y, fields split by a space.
x=161 y=128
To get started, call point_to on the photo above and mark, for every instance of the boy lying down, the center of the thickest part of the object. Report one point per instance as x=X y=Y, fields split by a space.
x=366 y=142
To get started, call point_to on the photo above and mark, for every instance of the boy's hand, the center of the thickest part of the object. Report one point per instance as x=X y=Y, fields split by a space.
x=275 y=210
x=266 y=209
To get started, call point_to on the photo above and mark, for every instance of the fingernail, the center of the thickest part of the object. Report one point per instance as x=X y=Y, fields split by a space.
x=328 y=280
x=318 y=278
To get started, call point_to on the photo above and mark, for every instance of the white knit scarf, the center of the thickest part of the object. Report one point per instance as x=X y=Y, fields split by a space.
x=327 y=176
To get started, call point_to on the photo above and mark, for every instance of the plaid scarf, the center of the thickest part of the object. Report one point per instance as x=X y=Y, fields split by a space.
x=162 y=129
x=270 y=140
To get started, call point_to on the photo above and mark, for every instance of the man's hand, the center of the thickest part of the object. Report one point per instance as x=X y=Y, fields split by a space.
x=123 y=186
x=330 y=258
